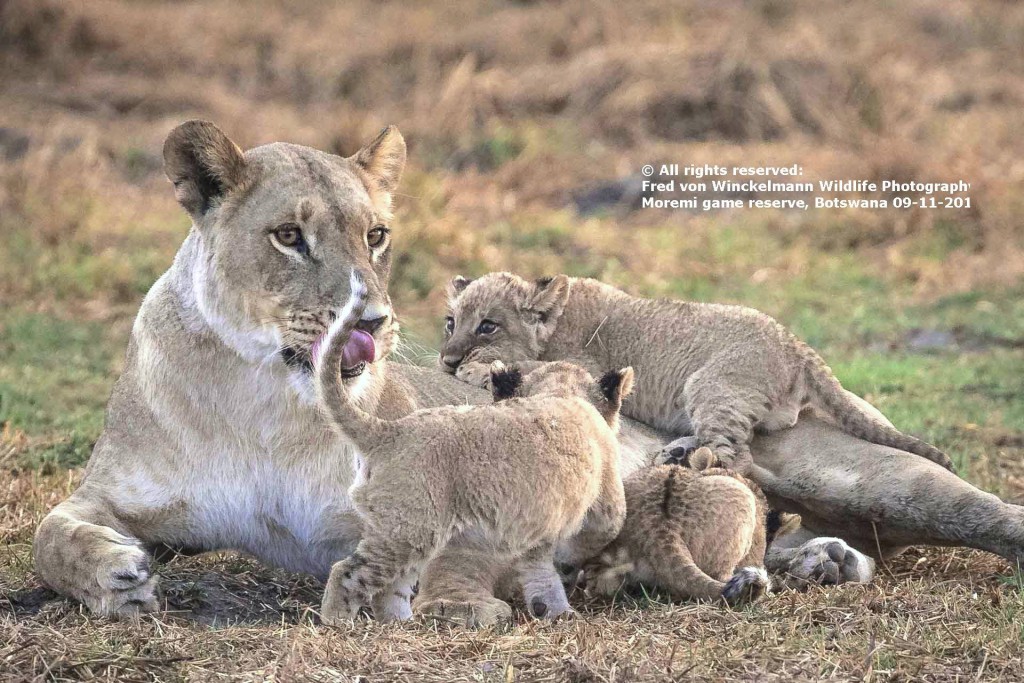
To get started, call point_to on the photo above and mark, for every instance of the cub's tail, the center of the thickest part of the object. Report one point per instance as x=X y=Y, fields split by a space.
x=832 y=399
x=676 y=572
x=342 y=337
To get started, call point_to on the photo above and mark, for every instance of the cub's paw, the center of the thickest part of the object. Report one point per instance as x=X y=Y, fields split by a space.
x=685 y=452
x=339 y=607
x=125 y=579
x=677 y=452
x=471 y=614
x=746 y=585
x=549 y=602
x=392 y=605
x=476 y=374
x=830 y=561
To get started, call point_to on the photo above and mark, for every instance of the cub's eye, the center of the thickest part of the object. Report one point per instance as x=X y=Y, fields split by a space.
x=376 y=236
x=487 y=327
x=449 y=325
x=290 y=236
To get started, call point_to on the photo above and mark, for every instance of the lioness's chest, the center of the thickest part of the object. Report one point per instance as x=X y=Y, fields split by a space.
x=282 y=496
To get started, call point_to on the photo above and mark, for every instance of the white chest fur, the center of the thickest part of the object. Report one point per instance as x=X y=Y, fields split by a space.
x=239 y=449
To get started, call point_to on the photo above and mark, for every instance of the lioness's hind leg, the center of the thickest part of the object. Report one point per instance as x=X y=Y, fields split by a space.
x=78 y=554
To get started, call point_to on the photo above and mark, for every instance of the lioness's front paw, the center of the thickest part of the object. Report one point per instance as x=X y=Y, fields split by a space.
x=127 y=584
x=476 y=374
x=830 y=561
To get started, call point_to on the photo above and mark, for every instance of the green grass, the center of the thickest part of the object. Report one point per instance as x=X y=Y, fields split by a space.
x=55 y=376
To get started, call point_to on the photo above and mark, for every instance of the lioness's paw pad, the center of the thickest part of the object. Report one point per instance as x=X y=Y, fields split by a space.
x=125 y=567
x=831 y=561
x=126 y=584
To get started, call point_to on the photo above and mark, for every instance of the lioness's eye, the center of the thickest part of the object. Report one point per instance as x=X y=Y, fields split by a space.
x=376 y=237
x=449 y=325
x=290 y=236
x=487 y=327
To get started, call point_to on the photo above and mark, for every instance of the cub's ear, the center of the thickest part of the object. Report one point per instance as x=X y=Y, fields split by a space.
x=204 y=165
x=616 y=385
x=456 y=285
x=505 y=381
x=383 y=159
x=548 y=298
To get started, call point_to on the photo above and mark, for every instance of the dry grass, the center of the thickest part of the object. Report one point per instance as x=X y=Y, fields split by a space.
x=513 y=111
x=939 y=615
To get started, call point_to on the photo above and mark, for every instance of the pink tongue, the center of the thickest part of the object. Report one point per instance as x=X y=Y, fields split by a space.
x=358 y=349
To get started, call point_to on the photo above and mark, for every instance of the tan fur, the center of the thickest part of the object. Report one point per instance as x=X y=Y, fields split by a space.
x=520 y=476
x=213 y=442
x=696 y=535
x=212 y=431
x=718 y=372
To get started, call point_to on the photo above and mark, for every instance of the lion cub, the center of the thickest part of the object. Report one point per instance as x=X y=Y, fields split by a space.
x=516 y=478
x=695 y=534
x=717 y=372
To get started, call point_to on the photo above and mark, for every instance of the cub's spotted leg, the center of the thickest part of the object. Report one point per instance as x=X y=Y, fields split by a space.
x=723 y=418
x=376 y=565
x=542 y=586
x=394 y=603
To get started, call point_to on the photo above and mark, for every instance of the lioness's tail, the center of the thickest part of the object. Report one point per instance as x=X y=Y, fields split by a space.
x=348 y=418
x=829 y=396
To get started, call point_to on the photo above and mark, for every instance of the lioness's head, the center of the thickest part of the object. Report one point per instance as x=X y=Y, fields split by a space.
x=500 y=316
x=278 y=230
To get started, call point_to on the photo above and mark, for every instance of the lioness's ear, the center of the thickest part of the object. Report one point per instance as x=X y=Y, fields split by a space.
x=456 y=285
x=383 y=159
x=616 y=385
x=505 y=381
x=203 y=163
x=549 y=297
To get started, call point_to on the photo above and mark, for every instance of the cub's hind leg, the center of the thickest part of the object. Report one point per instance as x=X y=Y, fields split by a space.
x=377 y=564
x=602 y=524
x=723 y=414
x=542 y=586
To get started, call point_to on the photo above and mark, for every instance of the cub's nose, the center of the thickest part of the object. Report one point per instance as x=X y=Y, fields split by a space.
x=371 y=325
x=451 y=362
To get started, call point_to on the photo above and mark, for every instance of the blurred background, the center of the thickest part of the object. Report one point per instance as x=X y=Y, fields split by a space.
x=527 y=123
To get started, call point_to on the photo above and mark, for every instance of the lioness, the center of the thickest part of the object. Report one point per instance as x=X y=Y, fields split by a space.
x=718 y=372
x=519 y=476
x=696 y=534
x=213 y=439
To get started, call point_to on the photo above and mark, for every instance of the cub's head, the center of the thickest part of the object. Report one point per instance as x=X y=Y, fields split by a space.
x=564 y=379
x=277 y=232
x=500 y=316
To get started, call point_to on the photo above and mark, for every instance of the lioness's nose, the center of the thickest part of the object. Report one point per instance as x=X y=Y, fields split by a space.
x=451 y=362
x=371 y=325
